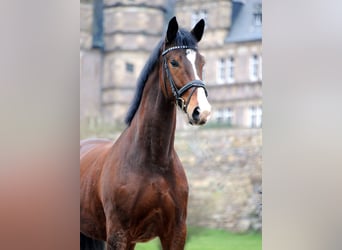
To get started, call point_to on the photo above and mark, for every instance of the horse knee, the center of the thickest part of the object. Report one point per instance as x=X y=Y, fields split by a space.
x=117 y=241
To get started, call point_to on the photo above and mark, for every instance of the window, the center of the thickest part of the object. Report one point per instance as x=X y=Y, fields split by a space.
x=224 y=115
x=257 y=15
x=225 y=70
x=219 y=116
x=221 y=70
x=257 y=19
x=197 y=15
x=255 y=68
x=230 y=69
x=255 y=115
x=129 y=67
x=228 y=116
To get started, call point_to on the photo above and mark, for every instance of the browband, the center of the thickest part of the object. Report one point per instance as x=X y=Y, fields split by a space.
x=177 y=47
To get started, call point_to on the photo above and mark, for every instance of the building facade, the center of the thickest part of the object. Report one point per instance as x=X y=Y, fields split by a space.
x=118 y=36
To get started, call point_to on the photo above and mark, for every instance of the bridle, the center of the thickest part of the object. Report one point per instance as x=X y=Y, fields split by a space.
x=178 y=93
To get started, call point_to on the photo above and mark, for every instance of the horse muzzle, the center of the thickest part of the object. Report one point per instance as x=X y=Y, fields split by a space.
x=199 y=109
x=199 y=117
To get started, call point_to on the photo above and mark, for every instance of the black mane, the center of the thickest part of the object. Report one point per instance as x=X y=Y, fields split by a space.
x=183 y=38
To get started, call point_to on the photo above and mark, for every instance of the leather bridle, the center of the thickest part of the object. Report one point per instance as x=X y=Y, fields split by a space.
x=178 y=93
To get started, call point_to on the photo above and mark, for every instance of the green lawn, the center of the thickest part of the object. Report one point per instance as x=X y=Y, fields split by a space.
x=213 y=239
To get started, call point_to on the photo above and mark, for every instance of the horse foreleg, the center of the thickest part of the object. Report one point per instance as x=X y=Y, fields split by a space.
x=131 y=246
x=176 y=240
x=117 y=241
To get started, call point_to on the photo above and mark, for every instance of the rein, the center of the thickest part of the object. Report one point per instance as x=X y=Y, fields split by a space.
x=178 y=93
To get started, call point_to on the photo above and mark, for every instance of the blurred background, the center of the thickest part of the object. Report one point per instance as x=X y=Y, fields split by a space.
x=222 y=159
x=301 y=124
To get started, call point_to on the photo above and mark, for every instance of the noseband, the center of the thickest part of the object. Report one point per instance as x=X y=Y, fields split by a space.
x=178 y=93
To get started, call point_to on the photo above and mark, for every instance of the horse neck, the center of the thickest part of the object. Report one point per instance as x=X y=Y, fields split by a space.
x=154 y=123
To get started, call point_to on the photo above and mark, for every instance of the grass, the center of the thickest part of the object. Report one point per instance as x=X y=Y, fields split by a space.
x=213 y=239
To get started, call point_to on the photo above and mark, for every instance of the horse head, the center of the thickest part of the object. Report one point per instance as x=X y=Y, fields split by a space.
x=182 y=77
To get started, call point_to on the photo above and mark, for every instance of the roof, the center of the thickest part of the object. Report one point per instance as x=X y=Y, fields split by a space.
x=244 y=23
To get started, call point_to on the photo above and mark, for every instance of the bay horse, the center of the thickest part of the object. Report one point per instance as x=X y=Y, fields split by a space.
x=136 y=189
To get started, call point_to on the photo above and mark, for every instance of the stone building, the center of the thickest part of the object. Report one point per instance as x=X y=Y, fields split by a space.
x=118 y=36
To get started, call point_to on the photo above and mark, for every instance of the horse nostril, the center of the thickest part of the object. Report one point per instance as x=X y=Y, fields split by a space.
x=196 y=114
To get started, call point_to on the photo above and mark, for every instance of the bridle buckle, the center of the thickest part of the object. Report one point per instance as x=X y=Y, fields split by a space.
x=181 y=103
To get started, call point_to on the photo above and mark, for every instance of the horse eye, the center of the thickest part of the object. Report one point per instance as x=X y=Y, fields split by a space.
x=174 y=63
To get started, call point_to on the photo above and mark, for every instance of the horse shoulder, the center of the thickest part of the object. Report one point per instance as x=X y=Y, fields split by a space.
x=92 y=158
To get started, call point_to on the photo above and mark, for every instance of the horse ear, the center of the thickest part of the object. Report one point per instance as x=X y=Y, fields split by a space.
x=172 y=30
x=198 y=30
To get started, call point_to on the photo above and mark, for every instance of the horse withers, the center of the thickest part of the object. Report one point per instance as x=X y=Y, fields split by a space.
x=135 y=189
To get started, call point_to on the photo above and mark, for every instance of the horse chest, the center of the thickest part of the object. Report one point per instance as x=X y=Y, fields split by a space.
x=156 y=208
x=151 y=205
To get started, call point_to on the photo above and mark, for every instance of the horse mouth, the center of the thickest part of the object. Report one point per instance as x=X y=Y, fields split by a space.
x=199 y=118
x=198 y=122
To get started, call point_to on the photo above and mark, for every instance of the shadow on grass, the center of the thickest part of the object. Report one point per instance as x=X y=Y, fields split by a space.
x=193 y=232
